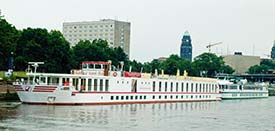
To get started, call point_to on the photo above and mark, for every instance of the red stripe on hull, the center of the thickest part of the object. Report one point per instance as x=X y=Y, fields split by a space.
x=42 y=91
x=19 y=90
x=45 y=87
x=115 y=103
x=143 y=93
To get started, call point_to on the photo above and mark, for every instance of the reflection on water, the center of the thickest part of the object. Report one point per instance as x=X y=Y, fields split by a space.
x=161 y=116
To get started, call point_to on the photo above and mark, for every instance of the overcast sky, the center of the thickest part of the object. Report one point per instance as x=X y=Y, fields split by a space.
x=157 y=26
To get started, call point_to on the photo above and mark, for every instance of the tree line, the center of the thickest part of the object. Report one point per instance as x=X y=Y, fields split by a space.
x=37 y=44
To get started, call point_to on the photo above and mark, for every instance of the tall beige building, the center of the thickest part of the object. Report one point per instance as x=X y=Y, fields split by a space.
x=117 y=33
x=241 y=63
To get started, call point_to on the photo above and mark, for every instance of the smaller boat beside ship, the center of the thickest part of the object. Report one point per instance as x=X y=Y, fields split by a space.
x=241 y=89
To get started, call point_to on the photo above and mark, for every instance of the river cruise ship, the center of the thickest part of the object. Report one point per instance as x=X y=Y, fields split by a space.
x=231 y=89
x=102 y=83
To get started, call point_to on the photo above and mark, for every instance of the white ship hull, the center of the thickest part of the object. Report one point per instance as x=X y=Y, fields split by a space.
x=244 y=94
x=74 y=98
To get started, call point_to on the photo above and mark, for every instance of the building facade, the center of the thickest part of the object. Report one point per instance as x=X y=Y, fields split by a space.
x=241 y=63
x=186 y=46
x=273 y=51
x=117 y=33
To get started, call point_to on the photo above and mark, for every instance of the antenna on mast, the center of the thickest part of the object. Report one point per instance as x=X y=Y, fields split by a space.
x=253 y=50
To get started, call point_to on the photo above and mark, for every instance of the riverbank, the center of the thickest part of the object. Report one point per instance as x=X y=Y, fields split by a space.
x=271 y=91
x=8 y=93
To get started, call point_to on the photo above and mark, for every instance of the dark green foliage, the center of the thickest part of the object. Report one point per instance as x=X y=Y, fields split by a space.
x=265 y=66
x=41 y=45
x=173 y=63
x=208 y=64
x=98 y=50
x=8 y=39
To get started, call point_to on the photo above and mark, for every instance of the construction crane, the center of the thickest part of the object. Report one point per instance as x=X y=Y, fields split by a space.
x=210 y=45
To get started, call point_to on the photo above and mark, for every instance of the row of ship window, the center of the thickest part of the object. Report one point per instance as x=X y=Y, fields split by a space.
x=194 y=87
x=97 y=84
x=144 y=97
x=103 y=85
x=254 y=94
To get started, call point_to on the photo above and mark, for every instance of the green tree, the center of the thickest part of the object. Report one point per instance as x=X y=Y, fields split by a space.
x=8 y=40
x=208 y=64
x=173 y=63
x=226 y=69
x=41 y=45
x=265 y=66
x=98 y=50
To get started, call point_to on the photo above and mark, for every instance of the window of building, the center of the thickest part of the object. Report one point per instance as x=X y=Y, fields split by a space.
x=127 y=97
x=153 y=97
x=160 y=86
x=136 y=97
x=132 y=97
x=171 y=87
x=112 y=97
x=140 y=97
x=95 y=84
x=106 y=85
x=117 y=97
x=165 y=87
x=89 y=84
x=101 y=84
x=122 y=97
x=154 y=86
x=159 y=96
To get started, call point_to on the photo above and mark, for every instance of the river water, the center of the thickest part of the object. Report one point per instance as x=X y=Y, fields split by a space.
x=228 y=115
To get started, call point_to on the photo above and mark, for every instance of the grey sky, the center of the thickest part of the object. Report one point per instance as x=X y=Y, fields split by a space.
x=157 y=26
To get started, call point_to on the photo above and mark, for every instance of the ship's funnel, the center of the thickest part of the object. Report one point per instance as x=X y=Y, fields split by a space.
x=178 y=72
x=156 y=72
x=185 y=74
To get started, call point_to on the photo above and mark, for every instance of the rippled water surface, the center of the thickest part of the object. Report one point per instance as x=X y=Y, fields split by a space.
x=229 y=115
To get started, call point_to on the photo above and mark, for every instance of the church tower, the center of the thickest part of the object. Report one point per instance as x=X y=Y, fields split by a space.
x=186 y=46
